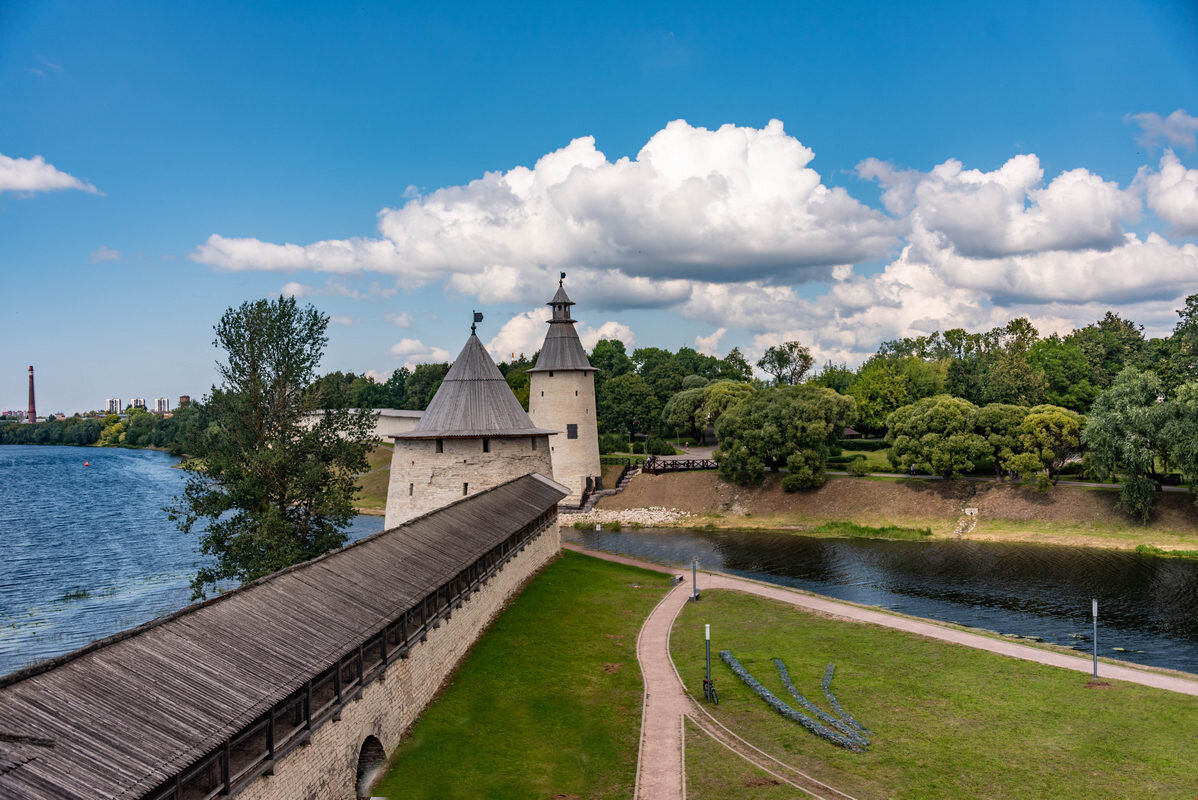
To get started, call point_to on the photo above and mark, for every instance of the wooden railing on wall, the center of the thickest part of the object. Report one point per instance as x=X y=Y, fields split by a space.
x=253 y=751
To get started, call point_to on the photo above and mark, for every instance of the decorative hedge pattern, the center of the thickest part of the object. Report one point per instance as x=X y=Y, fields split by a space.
x=846 y=716
x=785 y=710
x=851 y=731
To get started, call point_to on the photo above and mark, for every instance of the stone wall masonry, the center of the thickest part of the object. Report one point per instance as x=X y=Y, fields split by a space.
x=326 y=767
x=435 y=479
x=555 y=401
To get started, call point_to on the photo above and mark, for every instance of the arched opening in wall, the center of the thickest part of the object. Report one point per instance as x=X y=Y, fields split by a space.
x=372 y=760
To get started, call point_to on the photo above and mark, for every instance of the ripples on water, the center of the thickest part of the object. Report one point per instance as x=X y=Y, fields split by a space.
x=1148 y=605
x=86 y=552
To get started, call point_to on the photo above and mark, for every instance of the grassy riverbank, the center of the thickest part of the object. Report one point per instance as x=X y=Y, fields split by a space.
x=548 y=703
x=948 y=721
x=1005 y=512
x=372 y=497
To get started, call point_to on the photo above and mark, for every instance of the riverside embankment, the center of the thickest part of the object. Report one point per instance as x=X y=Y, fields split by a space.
x=980 y=511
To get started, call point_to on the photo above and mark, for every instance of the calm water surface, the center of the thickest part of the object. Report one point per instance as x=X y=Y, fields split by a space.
x=1148 y=606
x=86 y=552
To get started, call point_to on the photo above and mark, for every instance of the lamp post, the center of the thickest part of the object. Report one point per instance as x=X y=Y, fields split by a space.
x=694 y=578
x=707 y=644
x=1095 y=637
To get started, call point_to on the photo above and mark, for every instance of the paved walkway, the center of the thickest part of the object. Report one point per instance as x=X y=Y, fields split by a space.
x=660 y=765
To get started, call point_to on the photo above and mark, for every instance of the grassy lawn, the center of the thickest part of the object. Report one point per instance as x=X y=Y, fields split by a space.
x=948 y=721
x=548 y=702
x=715 y=773
x=373 y=497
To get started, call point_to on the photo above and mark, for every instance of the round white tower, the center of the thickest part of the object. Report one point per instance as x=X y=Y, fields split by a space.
x=561 y=397
x=473 y=436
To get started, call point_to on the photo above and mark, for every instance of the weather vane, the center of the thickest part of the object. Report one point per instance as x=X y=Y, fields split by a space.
x=478 y=317
x=562 y=279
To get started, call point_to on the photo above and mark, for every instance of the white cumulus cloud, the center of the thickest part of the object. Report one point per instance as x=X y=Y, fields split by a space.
x=414 y=351
x=726 y=204
x=30 y=175
x=1172 y=193
x=524 y=333
x=707 y=345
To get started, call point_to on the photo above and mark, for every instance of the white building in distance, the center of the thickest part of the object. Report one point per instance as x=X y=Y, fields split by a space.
x=137 y=402
x=112 y=405
x=161 y=405
x=473 y=436
x=561 y=397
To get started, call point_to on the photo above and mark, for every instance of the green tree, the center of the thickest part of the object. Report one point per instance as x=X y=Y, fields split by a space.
x=680 y=413
x=1184 y=349
x=660 y=371
x=837 y=377
x=880 y=388
x=610 y=358
x=1110 y=344
x=626 y=403
x=1126 y=433
x=424 y=383
x=1066 y=373
x=1053 y=435
x=1181 y=433
x=788 y=363
x=791 y=425
x=937 y=432
x=1000 y=425
x=267 y=490
x=734 y=367
x=718 y=397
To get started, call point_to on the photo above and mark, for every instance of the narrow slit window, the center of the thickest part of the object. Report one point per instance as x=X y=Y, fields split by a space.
x=486 y=445
x=411 y=489
x=533 y=439
x=440 y=445
x=576 y=393
x=465 y=489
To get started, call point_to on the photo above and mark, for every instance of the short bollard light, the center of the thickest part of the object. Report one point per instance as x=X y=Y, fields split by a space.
x=694 y=579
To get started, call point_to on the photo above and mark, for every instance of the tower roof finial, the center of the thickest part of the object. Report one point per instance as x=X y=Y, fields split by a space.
x=562 y=279
x=478 y=317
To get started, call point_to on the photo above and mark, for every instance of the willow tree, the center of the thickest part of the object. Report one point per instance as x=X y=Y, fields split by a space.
x=268 y=485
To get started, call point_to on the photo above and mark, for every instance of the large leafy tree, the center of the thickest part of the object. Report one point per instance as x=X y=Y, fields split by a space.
x=881 y=387
x=718 y=397
x=735 y=367
x=791 y=425
x=266 y=490
x=1066 y=373
x=1181 y=433
x=680 y=413
x=938 y=433
x=787 y=362
x=626 y=403
x=1000 y=425
x=1127 y=433
x=1051 y=435
x=1110 y=344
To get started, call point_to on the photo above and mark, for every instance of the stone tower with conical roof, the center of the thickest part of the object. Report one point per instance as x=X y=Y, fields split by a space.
x=561 y=397
x=473 y=436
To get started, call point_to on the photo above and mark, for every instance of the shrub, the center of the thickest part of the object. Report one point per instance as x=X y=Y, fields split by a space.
x=657 y=446
x=638 y=448
x=858 y=468
x=611 y=443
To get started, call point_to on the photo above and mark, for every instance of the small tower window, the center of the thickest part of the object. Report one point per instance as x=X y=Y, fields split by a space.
x=550 y=373
x=465 y=489
x=411 y=489
x=440 y=445
x=576 y=393
x=486 y=445
x=533 y=439
x=571 y=431
x=542 y=394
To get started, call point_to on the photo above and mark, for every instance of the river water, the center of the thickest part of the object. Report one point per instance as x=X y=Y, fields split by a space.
x=1148 y=606
x=86 y=551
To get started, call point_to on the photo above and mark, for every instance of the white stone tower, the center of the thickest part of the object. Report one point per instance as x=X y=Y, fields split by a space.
x=561 y=397
x=473 y=436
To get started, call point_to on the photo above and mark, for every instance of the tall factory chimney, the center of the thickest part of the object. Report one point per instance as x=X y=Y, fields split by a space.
x=32 y=405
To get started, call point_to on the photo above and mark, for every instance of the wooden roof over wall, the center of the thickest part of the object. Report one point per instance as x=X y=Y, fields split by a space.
x=118 y=717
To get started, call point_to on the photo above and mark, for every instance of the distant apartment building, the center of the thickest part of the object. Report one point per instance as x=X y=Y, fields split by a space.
x=161 y=405
x=112 y=405
x=184 y=399
x=137 y=402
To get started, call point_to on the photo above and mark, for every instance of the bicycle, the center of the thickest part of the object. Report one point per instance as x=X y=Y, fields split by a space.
x=709 y=692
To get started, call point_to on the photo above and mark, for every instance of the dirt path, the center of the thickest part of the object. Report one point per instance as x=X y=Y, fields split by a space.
x=660 y=763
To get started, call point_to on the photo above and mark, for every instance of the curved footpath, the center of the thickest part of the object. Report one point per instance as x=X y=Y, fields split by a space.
x=660 y=767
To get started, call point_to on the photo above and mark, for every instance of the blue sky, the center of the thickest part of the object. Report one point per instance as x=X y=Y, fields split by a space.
x=185 y=145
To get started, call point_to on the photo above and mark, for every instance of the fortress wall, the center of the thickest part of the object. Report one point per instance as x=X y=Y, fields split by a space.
x=555 y=401
x=326 y=767
x=423 y=480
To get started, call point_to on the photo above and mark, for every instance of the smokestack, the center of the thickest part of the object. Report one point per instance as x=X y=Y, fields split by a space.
x=32 y=405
